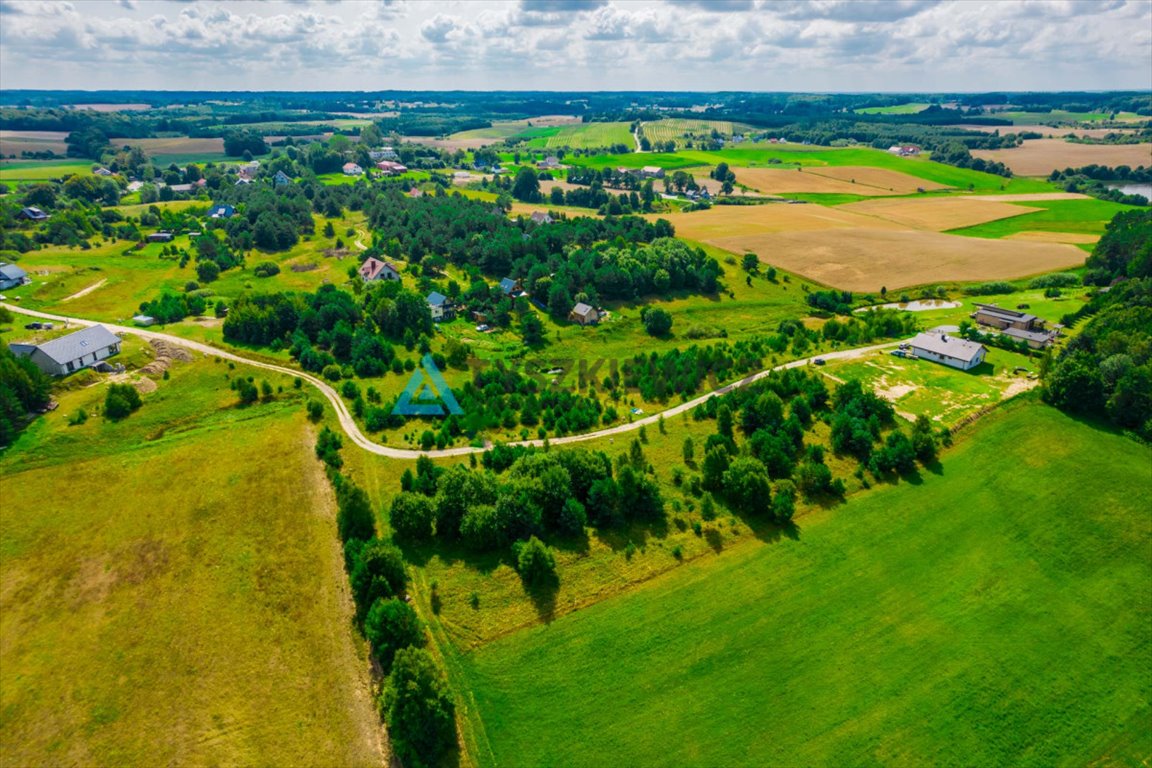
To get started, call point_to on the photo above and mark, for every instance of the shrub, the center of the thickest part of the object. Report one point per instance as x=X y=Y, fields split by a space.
x=375 y=571
x=266 y=269
x=78 y=418
x=120 y=401
x=412 y=515
x=535 y=561
x=354 y=518
x=657 y=321
x=315 y=409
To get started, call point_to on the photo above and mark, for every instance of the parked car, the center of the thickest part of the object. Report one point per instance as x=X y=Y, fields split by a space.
x=34 y=326
x=482 y=328
x=819 y=361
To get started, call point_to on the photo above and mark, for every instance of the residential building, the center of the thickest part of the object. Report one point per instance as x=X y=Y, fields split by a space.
x=1035 y=339
x=584 y=314
x=102 y=172
x=541 y=217
x=221 y=211
x=281 y=179
x=31 y=214
x=949 y=350
x=374 y=269
x=70 y=353
x=383 y=153
x=510 y=287
x=549 y=163
x=160 y=237
x=651 y=172
x=440 y=306
x=391 y=168
x=11 y=276
x=351 y=169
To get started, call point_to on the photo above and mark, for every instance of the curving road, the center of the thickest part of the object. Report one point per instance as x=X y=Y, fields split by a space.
x=348 y=424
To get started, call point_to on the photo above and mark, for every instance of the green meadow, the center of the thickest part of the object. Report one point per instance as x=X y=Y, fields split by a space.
x=41 y=170
x=992 y=613
x=1087 y=216
x=911 y=108
x=173 y=587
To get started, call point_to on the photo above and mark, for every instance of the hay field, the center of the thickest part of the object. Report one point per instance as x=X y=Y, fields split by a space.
x=15 y=142
x=870 y=182
x=172 y=587
x=1039 y=157
x=724 y=221
x=179 y=146
x=867 y=259
x=939 y=214
x=1046 y=130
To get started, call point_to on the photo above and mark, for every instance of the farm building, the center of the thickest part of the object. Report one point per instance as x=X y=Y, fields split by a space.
x=32 y=214
x=374 y=269
x=222 y=211
x=391 y=168
x=11 y=276
x=144 y=320
x=70 y=353
x=998 y=317
x=440 y=306
x=351 y=169
x=160 y=237
x=1035 y=339
x=584 y=314
x=949 y=350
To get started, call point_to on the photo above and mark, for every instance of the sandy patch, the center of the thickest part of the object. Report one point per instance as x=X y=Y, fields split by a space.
x=1075 y=238
x=939 y=214
x=1039 y=157
x=1018 y=386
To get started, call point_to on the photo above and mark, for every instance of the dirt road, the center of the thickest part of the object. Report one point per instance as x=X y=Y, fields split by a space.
x=348 y=424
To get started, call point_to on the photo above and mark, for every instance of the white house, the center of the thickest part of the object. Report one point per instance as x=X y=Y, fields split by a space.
x=70 y=353
x=373 y=269
x=351 y=169
x=949 y=350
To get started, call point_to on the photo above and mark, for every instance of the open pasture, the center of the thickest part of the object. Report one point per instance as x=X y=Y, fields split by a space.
x=911 y=108
x=850 y=180
x=1039 y=157
x=993 y=614
x=151 y=615
x=939 y=213
x=42 y=170
x=1083 y=215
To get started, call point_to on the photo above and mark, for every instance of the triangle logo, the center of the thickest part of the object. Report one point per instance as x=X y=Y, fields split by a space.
x=427 y=394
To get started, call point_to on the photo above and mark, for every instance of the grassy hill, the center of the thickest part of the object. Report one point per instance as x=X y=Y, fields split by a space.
x=173 y=589
x=995 y=614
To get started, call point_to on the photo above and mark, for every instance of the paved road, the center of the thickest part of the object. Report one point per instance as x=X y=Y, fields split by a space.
x=359 y=438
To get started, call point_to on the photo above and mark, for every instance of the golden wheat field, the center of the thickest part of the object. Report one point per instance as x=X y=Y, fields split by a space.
x=849 y=180
x=1039 y=157
x=939 y=214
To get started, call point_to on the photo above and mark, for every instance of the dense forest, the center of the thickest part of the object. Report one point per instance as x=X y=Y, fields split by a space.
x=1106 y=370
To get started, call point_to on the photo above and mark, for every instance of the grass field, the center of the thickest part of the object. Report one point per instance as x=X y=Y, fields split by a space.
x=1063 y=116
x=681 y=129
x=42 y=170
x=1039 y=157
x=911 y=108
x=582 y=136
x=852 y=180
x=163 y=606
x=182 y=149
x=1084 y=216
x=994 y=614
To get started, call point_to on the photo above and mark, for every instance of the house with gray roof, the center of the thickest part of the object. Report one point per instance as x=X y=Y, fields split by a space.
x=440 y=306
x=11 y=276
x=949 y=350
x=71 y=353
x=1001 y=318
x=584 y=314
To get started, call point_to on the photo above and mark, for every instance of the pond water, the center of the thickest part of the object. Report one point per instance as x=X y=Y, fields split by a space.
x=915 y=306
x=1134 y=189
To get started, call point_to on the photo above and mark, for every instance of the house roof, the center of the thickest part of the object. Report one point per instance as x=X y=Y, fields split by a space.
x=437 y=299
x=507 y=285
x=541 y=216
x=373 y=267
x=1010 y=314
x=1019 y=333
x=281 y=176
x=583 y=309
x=949 y=346
x=33 y=213
x=75 y=345
x=221 y=211
x=12 y=272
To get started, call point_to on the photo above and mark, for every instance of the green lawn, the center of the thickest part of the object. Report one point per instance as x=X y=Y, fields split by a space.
x=994 y=614
x=173 y=588
x=579 y=136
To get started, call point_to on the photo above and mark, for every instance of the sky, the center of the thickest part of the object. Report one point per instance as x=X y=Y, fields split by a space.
x=564 y=45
